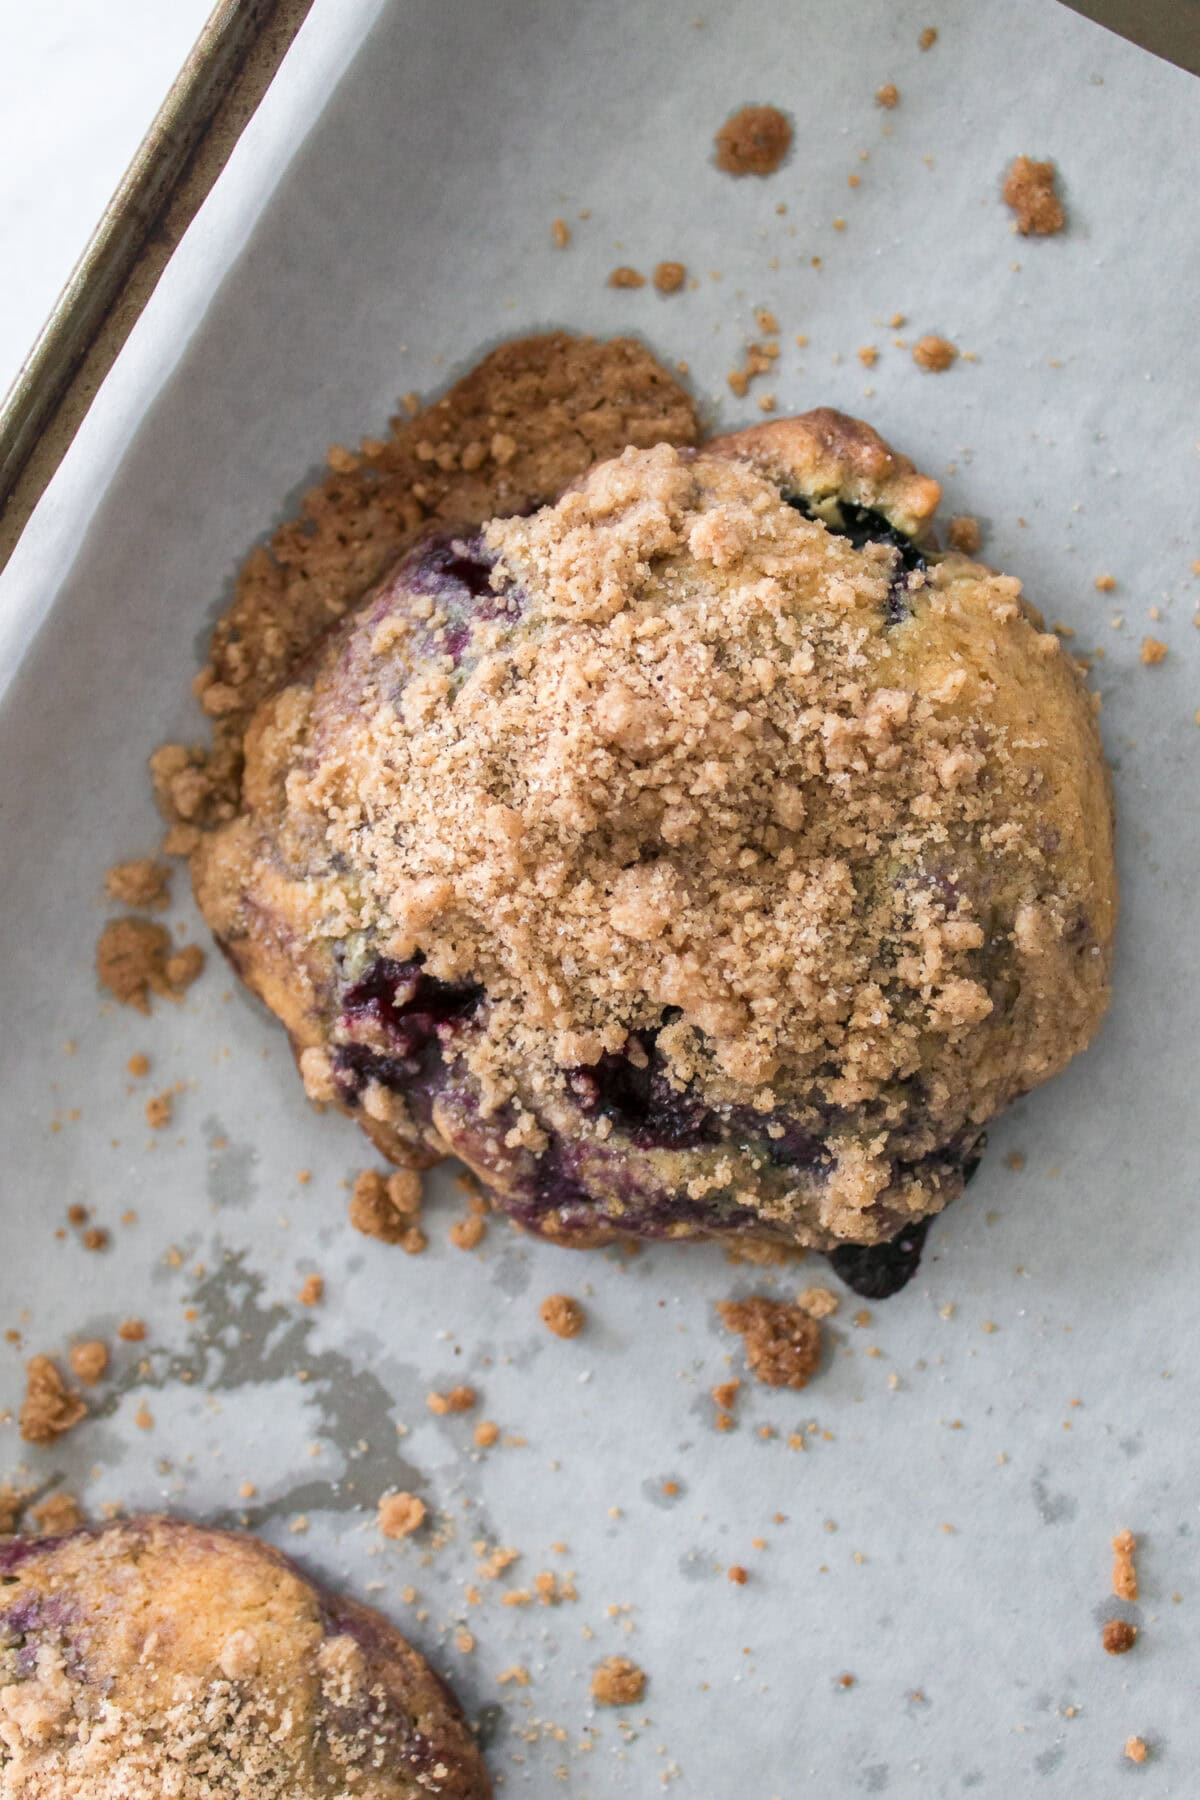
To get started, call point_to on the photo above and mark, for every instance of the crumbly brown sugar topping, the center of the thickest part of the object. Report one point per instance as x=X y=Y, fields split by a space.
x=687 y=744
x=754 y=141
x=534 y=414
x=1030 y=192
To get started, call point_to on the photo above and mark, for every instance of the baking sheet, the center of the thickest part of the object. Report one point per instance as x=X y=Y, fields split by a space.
x=943 y=1534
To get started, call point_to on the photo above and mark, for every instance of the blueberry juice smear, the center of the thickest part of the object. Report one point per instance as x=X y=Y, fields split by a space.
x=877 y=1271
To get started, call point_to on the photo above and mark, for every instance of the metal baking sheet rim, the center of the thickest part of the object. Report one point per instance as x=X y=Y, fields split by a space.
x=190 y=139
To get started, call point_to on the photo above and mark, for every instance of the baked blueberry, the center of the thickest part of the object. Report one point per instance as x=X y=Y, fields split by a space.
x=152 y=1657
x=704 y=854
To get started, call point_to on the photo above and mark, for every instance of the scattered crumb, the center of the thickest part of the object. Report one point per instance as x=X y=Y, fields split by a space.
x=456 y=1400
x=1029 y=191
x=754 y=141
x=625 y=277
x=313 y=1291
x=142 y=882
x=57 y=1514
x=888 y=95
x=846 y=1681
x=387 y=1207
x=1136 y=1749
x=669 y=277
x=88 y=1360
x=131 y=1331
x=183 y=968
x=963 y=535
x=400 y=1515
x=818 y=1302
x=95 y=1238
x=134 y=960
x=1153 y=650
x=760 y=360
x=562 y=1314
x=783 y=1344
x=560 y=231
x=868 y=356
x=486 y=1433
x=143 y=1418
x=928 y=38
x=517 y=1674
x=737 y=1574
x=12 y=1504
x=618 y=1682
x=49 y=1408
x=138 y=1065
x=1124 y=1573
x=159 y=1110
x=933 y=353
x=1118 y=1637
x=468 y=1233
x=1104 y=584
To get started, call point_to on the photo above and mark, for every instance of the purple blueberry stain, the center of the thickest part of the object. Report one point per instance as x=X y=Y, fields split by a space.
x=456 y=572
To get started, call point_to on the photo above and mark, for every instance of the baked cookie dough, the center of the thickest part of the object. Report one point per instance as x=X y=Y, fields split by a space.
x=152 y=1657
x=704 y=854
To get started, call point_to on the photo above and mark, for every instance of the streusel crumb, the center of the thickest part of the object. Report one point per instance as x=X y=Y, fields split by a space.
x=934 y=353
x=562 y=1315
x=783 y=1344
x=1118 y=1637
x=888 y=95
x=1029 y=191
x=56 y=1515
x=625 y=277
x=669 y=277
x=755 y=141
x=89 y=1361
x=1136 y=1749
x=142 y=882
x=400 y=1515
x=618 y=1682
x=1124 y=1571
x=49 y=1408
x=963 y=534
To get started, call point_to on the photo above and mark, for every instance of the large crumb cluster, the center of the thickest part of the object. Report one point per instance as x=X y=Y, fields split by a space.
x=618 y=1681
x=754 y=141
x=534 y=414
x=782 y=1341
x=1030 y=193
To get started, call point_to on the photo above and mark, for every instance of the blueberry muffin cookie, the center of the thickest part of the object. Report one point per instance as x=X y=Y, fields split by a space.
x=703 y=854
x=152 y=1658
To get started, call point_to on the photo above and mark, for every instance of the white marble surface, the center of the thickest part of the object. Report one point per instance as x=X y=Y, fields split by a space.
x=80 y=80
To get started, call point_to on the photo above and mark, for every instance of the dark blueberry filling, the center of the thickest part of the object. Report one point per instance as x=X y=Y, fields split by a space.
x=877 y=1271
x=631 y=1088
x=863 y=525
x=416 y=1015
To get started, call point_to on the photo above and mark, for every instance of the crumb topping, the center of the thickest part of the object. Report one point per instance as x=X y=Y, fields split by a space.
x=782 y=1342
x=1030 y=193
x=135 y=958
x=934 y=353
x=1118 y=1637
x=400 y=1515
x=89 y=1361
x=888 y=95
x=562 y=1315
x=142 y=882
x=1124 y=1570
x=49 y=1408
x=669 y=277
x=963 y=534
x=618 y=1681
x=754 y=141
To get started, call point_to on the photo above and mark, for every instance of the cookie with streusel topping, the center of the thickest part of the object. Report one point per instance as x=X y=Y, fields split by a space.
x=153 y=1657
x=704 y=854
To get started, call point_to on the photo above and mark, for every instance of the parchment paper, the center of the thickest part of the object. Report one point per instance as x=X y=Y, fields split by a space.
x=943 y=1536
